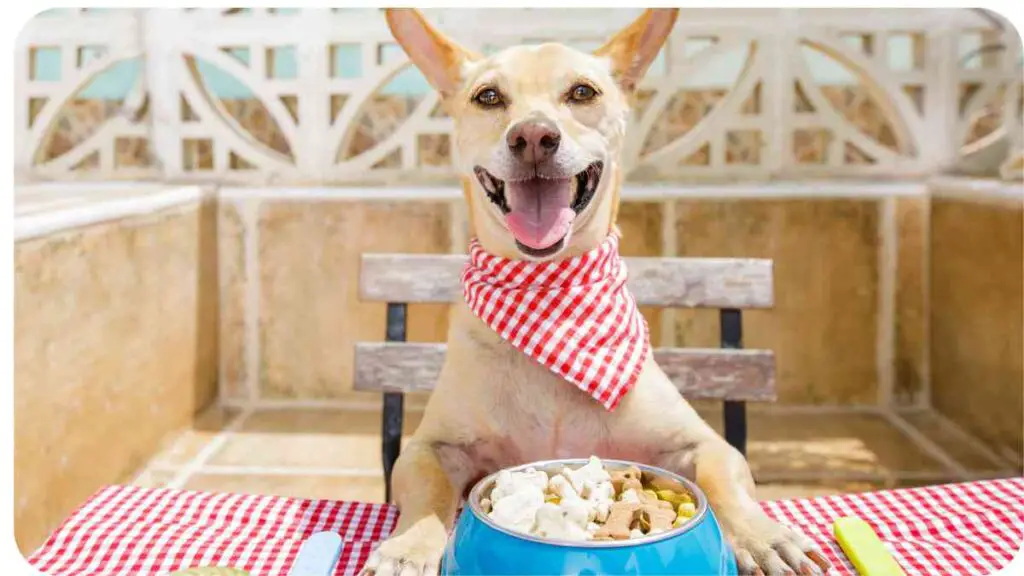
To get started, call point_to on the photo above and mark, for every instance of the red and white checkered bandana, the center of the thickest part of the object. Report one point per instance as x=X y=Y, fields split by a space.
x=574 y=316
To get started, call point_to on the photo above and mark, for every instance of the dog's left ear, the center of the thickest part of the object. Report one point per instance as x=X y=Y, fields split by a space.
x=438 y=57
x=634 y=48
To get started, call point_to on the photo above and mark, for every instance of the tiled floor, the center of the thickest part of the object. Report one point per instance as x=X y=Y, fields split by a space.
x=334 y=453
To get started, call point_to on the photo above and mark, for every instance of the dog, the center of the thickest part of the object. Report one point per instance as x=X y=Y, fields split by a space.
x=548 y=122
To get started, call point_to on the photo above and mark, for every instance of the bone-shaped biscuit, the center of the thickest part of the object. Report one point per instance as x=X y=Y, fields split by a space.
x=619 y=477
x=655 y=517
x=620 y=517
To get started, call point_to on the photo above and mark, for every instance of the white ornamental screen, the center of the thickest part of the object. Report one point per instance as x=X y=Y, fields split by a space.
x=265 y=96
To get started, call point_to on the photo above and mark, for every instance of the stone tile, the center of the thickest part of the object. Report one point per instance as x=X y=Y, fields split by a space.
x=106 y=361
x=314 y=248
x=231 y=238
x=352 y=489
x=977 y=336
x=183 y=446
x=640 y=224
x=823 y=327
x=308 y=439
x=152 y=479
x=909 y=334
x=923 y=482
x=932 y=426
x=780 y=441
x=841 y=445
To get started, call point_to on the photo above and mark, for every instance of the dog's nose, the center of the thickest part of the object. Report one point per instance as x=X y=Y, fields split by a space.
x=533 y=140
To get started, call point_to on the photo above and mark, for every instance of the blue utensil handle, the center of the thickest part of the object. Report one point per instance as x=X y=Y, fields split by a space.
x=318 y=555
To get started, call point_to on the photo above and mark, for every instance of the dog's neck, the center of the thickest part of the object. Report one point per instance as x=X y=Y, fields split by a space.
x=596 y=265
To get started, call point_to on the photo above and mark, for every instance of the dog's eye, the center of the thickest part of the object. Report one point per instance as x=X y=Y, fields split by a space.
x=488 y=98
x=582 y=93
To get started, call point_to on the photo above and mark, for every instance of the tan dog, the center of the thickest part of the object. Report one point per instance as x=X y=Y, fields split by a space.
x=541 y=128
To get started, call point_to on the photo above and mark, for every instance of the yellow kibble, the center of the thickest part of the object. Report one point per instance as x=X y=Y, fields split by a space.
x=679 y=521
x=686 y=509
x=652 y=494
x=676 y=498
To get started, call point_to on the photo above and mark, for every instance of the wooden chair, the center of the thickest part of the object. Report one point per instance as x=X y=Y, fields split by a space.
x=729 y=373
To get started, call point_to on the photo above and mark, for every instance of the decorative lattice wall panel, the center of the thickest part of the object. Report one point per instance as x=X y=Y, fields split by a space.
x=266 y=96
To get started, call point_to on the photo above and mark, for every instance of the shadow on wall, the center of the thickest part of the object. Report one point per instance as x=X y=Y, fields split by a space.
x=977 y=336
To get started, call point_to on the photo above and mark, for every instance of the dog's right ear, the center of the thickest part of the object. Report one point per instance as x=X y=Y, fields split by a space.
x=439 y=58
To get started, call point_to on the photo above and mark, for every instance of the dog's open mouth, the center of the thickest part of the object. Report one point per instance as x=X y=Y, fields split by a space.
x=539 y=211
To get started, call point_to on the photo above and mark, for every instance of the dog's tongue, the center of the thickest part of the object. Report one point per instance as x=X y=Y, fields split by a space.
x=540 y=213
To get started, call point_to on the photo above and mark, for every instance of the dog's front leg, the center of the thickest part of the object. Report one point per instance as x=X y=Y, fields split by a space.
x=762 y=545
x=427 y=493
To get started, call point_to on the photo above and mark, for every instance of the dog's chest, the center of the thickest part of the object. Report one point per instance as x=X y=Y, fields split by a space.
x=524 y=411
x=541 y=416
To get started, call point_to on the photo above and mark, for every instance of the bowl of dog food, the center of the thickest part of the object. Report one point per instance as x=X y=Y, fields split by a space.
x=587 y=517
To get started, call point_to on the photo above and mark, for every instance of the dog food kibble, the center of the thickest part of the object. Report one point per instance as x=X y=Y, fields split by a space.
x=589 y=503
x=687 y=509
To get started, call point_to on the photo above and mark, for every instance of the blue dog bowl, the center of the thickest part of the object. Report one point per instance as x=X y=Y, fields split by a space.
x=480 y=546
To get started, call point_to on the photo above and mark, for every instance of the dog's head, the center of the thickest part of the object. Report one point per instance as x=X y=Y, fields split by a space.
x=538 y=130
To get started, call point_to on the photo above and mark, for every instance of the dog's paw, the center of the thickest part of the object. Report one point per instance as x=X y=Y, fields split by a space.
x=411 y=554
x=765 y=547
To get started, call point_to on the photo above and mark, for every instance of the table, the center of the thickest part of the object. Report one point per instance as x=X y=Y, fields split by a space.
x=968 y=528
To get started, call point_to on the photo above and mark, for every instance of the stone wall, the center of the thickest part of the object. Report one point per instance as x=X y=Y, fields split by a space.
x=824 y=329
x=977 y=318
x=115 y=346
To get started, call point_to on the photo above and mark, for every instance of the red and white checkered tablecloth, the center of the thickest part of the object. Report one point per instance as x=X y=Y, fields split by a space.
x=971 y=528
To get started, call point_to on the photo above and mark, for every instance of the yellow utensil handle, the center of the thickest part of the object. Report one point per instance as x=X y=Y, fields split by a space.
x=862 y=546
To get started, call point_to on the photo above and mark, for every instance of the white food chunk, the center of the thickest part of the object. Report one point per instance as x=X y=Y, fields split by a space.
x=504 y=485
x=560 y=486
x=599 y=491
x=576 y=511
x=538 y=478
x=636 y=533
x=629 y=496
x=553 y=522
x=511 y=482
x=592 y=471
x=518 y=510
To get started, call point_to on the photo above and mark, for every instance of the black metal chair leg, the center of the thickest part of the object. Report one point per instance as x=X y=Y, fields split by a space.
x=391 y=433
x=391 y=419
x=734 y=412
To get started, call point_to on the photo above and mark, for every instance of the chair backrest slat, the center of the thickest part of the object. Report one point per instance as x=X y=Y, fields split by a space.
x=670 y=282
x=696 y=372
